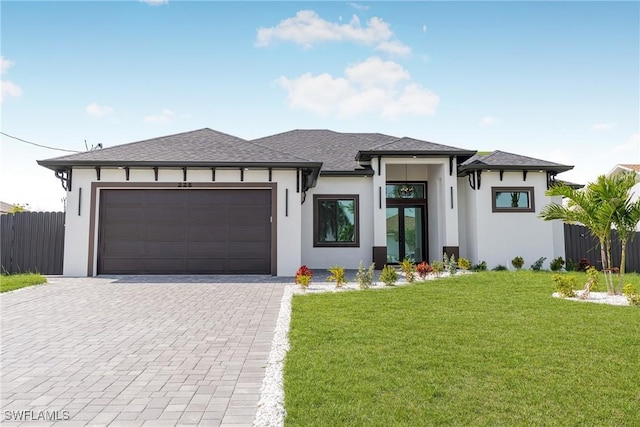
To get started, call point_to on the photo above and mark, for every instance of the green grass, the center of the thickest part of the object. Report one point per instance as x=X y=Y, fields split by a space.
x=485 y=349
x=17 y=281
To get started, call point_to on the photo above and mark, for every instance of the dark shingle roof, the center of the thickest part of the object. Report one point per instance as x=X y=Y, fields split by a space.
x=200 y=147
x=502 y=160
x=340 y=152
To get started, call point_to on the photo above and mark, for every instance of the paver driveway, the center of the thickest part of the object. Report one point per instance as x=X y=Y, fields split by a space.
x=137 y=350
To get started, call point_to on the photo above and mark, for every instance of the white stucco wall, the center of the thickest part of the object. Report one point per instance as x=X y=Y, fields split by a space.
x=498 y=237
x=76 y=259
x=322 y=258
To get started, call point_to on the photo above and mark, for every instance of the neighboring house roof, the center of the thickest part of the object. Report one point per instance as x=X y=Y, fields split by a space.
x=5 y=207
x=501 y=160
x=204 y=147
x=628 y=167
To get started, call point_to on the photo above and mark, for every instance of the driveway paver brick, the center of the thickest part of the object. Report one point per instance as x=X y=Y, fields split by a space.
x=137 y=350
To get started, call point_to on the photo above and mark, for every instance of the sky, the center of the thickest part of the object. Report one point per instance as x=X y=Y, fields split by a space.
x=559 y=81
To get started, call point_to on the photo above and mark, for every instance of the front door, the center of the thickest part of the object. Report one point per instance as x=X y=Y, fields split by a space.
x=405 y=233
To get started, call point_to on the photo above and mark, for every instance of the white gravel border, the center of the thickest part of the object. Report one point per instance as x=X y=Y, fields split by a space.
x=271 y=410
x=598 y=297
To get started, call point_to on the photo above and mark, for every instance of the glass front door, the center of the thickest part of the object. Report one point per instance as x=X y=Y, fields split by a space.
x=405 y=233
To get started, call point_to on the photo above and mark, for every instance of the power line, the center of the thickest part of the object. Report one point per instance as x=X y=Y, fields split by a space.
x=39 y=145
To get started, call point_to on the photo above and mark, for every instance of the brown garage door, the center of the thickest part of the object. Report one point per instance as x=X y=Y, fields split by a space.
x=185 y=231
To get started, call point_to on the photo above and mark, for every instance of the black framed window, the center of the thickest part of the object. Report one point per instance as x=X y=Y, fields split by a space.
x=512 y=199
x=336 y=221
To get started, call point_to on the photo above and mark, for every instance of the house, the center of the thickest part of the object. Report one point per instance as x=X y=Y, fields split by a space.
x=5 y=208
x=635 y=190
x=205 y=202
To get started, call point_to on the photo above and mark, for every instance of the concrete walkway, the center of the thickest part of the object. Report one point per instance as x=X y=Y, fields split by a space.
x=137 y=350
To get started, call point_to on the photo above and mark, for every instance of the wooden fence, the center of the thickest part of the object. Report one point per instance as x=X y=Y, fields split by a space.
x=32 y=242
x=579 y=243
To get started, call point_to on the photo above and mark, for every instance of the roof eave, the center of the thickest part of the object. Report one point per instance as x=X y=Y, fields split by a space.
x=55 y=165
x=558 y=169
x=368 y=155
x=347 y=173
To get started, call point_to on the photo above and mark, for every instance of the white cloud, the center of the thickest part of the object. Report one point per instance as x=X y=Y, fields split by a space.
x=163 y=117
x=489 y=121
x=155 y=2
x=307 y=29
x=394 y=47
x=359 y=6
x=97 y=110
x=5 y=64
x=602 y=126
x=9 y=89
x=372 y=86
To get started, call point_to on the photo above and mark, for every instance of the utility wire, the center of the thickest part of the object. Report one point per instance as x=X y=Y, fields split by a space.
x=38 y=145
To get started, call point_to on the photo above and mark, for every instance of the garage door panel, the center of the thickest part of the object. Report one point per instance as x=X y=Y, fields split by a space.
x=165 y=249
x=247 y=266
x=164 y=233
x=125 y=248
x=187 y=231
x=208 y=215
x=131 y=231
x=248 y=233
x=207 y=233
x=207 y=249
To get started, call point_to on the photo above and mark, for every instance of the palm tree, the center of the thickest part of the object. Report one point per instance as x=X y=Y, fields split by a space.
x=584 y=207
x=598 y=206
x=626 y=219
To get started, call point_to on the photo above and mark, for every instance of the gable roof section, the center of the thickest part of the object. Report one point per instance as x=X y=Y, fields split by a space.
x=203 y=147
x=501 y=160
x=342 y=152
x=627 y=167
x=406 y=146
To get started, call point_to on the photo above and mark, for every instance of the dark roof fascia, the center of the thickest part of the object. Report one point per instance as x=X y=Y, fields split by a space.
x=54 y=165
x=369 y=154
x=464 y=170
x=349 y=173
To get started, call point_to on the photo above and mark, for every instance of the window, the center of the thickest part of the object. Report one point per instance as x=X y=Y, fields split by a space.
x=405 y=191
x=335 y=221
x=512 y=199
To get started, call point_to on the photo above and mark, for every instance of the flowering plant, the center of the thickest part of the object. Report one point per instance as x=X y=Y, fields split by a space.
x=303 y=276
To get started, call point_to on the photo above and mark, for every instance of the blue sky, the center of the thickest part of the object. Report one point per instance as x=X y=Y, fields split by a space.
x=554 y=80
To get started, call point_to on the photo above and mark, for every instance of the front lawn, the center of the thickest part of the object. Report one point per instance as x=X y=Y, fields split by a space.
x=483 y=349
x=17 y=281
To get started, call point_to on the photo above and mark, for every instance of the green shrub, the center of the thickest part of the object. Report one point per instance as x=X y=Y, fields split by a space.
x=500 y=267
x=564 y=285
x=628 y=290
x=389 y=275
x=571 y=265
x=364 y=278
x=593 y=279
x=481 y=266
x=438 y=267
x=337 y=275
x=556 y=264
x=517 y=262
x=409 y=270
x=450 y=263
x=464 y=264
x=537 y=266
x=423 y=269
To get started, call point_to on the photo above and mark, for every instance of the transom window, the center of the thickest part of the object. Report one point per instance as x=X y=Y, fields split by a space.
x=512 y=199
x=405 y=191
x=336 y=220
